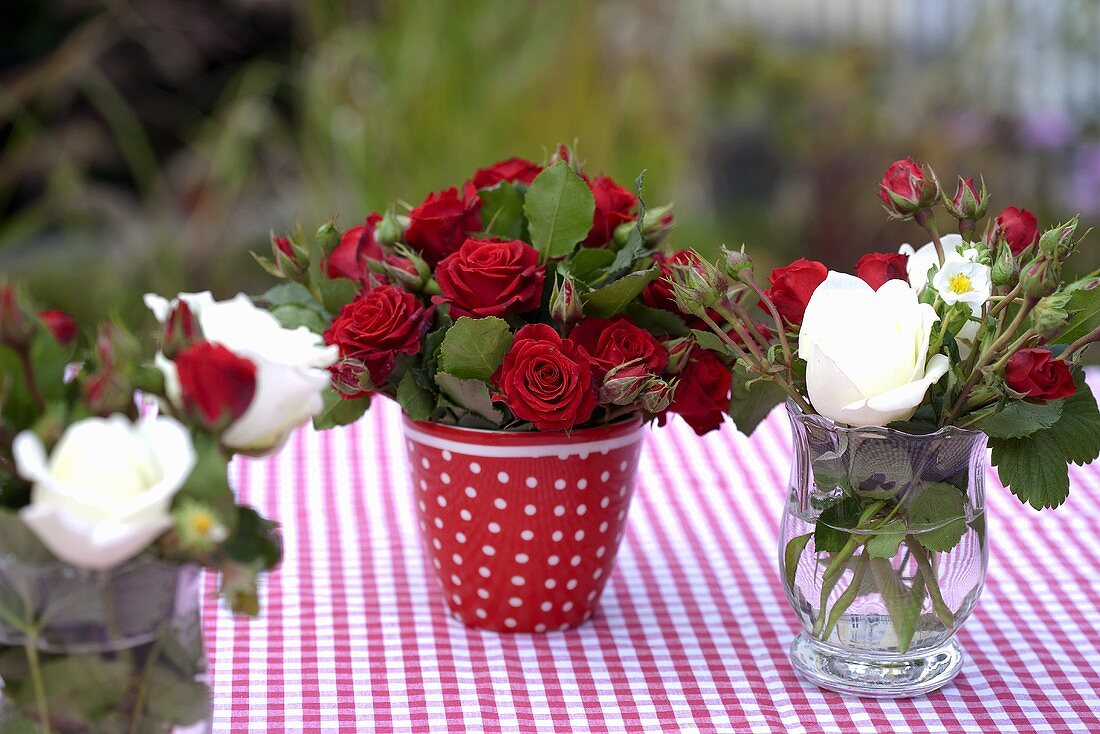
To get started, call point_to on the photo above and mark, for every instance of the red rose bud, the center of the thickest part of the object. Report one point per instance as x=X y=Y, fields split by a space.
x=491 y=277
x=181 y=330
x=291 y=258
x=658 y=293
x=792 y=286
x=908 y=188
x=679 y=352
x=969 y=202
x=441 y=224
x=510 y=170
x=391 y=229
x=876 y=268
x=379 y=325
x=624 y=384
x=1039 y=376
x=566 y=306
x=1019 y=228
x=736 y=262
x=328 y=236
x=561 y=154
x=614 y=206
x=1040 y=277
x=16 y=329
x=216 y=385
x=1058 y=241
x=408 y=269
x=697 y=285
x=351 y=378
x=546 y=380
x=658 y=396
x=61 y=325
x=351 y=256
x=1049 y=316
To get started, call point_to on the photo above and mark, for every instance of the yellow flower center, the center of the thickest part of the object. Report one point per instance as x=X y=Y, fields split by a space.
x=959 y=283
x=202 y=523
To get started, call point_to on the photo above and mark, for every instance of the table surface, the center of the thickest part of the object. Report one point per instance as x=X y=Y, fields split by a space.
x=692 y=631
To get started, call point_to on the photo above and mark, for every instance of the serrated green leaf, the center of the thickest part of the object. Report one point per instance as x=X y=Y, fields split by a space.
x=471 y=395
x=173 y=699
x=473 y=349
x=559 y=208
x=80 y=687
x=338 y=292
x=1077 y=431
x=417 y=402
x=608 y=300
x=711 y=342
x=293 y=316
x=255 y=540
x=656 y=320
x=750 y=405
x=289 y=294
x=1034 y=468
x=830 y=533
x=339 y=411
x=502 y=211
x=1019 y=419
x=590 y=265
x=791 y=555
x=1084 y=309
x=886 y=540
x=937 y=516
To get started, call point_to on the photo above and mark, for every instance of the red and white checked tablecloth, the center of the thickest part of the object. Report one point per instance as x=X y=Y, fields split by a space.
x=692 y=632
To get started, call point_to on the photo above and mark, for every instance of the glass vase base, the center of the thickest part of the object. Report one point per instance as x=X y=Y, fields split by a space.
x=877 y=676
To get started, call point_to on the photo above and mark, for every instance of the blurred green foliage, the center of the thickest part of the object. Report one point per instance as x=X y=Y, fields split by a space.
x=151 y=145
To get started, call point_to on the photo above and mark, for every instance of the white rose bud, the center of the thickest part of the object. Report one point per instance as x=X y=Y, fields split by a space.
x=103 y=495
x=866 y=351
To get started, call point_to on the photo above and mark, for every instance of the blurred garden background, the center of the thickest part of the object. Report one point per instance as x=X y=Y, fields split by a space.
x=150 y=144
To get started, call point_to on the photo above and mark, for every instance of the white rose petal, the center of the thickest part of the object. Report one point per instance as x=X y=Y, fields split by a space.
x=104 y=494
x=866 y=351
x=290 y=366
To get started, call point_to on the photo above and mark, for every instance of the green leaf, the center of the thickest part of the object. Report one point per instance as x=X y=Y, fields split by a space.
x=937 y=516
x=208 y=482
x=172 y=699
x=608 y=300
x=1077 y=432
x=559 y=208
x=49 y=359
x=791 y=555
x=903 y=604
x=831 y=531
x=471 y=395
x=339 y=411
x=711 y=342
x=502 y=211
x=289 y=294
x=474 y=349
x=1084 y=309
x=291 y=317
x=1019 y=419
x=886 y=540
x=1034 y=468
x=80 y=687
x=417 y=402
x=751 y=404
x=656 y=320
x=338 y=292
x=19 y=541
x=255 y=540
x=589 y=265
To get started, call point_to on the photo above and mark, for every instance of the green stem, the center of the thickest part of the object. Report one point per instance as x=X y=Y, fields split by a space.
x=35 y=665
x=143 y=688
x=1003 y=302
x=946 y=616
x=929 y=224
x=780 y=327
x=847 y=597
x=28 y=377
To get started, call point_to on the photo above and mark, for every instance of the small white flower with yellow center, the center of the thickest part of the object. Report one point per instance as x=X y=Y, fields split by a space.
x=960 y=281
x=198 y=527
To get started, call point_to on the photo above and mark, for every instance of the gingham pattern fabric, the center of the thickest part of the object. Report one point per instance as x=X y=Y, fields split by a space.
x=692 y=632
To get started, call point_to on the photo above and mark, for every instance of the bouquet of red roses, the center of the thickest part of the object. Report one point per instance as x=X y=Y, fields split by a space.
x=531 y=298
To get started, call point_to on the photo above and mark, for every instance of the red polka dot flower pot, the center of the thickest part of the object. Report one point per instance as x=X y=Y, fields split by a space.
x=522 y=528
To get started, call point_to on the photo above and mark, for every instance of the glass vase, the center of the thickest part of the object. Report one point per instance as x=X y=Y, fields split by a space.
x=883 y=553
x=102 y=652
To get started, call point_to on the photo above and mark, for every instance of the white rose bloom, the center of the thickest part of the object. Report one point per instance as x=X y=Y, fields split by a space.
x=866 y=351
x=954 y=251
x=290 y=366
x=103 y=495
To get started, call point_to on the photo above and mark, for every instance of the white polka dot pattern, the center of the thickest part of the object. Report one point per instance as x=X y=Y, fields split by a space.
x=522 y=543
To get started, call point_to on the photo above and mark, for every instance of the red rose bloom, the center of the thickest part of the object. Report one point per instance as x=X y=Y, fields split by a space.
x=61 y=325
x=491 y=278
x=357 y=245
x=511 y=170
x=615 y=342
x=1019 y=227
x=546 y=380
x=792 y=286
x=875 y=268
x=216 y=385
x=1038 y=375
x=614 y=205
x=903 y=178
x=703 y=392
x=378 y=325
x=440 y=225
